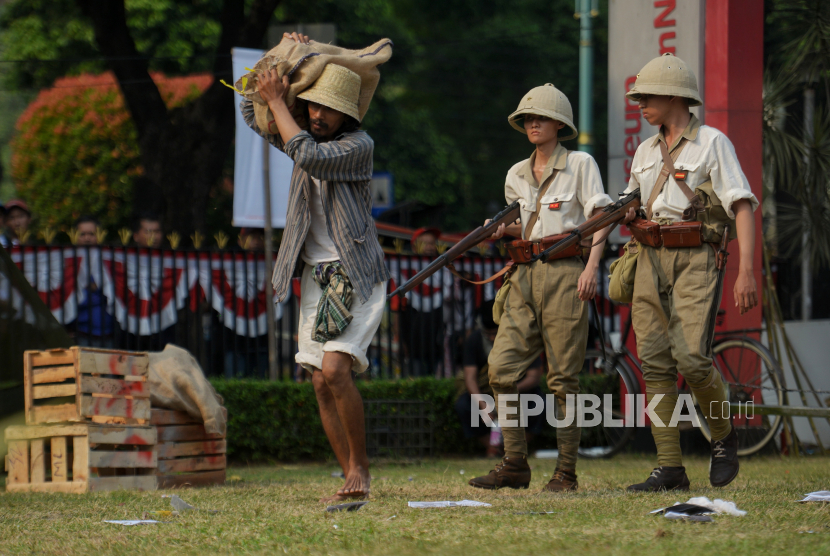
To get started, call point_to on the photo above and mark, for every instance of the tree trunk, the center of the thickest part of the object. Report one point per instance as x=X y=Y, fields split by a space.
x=182 y=150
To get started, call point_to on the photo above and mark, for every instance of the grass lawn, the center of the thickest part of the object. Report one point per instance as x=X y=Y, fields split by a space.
x=275 y=509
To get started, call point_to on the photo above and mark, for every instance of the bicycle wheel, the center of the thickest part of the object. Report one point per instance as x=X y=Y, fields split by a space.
x=750 y=373
x=616 y=379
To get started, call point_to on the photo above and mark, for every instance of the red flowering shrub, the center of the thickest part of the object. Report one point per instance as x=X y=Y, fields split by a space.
x=76 y=152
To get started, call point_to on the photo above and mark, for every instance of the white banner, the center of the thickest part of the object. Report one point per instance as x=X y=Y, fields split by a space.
x=639 y=30
x=248 y=193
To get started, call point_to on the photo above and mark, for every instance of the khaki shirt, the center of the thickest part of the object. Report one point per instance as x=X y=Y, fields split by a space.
x=708 y=155
x=574 y=194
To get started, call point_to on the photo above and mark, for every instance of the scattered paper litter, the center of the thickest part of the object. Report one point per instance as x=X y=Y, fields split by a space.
x=718 y=506
x=181 y=506
x=348 y=506
x=700 y=506
x=131 y=521
x=449 y=504
x=817 y=496
x=684 y=509
x=686 y=517
x=177 y=503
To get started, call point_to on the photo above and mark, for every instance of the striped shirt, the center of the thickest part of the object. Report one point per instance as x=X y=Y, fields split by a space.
x=344 y=166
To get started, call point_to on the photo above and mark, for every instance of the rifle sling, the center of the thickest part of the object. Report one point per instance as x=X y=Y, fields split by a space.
x=695 y=204
x=542 y=190
x=668 y=168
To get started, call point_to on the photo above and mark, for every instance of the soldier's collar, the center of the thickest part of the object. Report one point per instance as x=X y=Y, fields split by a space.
x=689 y=133
x=557 y=161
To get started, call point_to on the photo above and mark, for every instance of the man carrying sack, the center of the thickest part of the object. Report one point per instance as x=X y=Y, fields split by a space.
x=330 y=226
x=545 y=307
x=695 y=189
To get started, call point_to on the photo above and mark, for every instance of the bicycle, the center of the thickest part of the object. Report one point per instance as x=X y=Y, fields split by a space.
x=749 y=372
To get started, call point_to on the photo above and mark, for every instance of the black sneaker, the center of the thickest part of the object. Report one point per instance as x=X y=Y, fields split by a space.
x=663 y=478
x=723 y=465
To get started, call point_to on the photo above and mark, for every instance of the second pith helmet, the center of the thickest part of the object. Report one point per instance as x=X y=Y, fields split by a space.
x=548 y=101
x=666 y=75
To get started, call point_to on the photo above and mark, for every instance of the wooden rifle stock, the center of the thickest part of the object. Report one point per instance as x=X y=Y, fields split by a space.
x=611 y=214
x=506 y=216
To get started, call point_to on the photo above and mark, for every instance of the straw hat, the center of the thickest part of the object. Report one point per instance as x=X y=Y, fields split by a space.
x=548 y=101
x=338 y=88
x=666 y=75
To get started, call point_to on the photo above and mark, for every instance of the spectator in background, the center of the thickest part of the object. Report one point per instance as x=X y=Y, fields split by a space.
x=147 y=231
x=425 y=241
x=252 y=239
x=87 y=228
x=247 y=356
x=2 y=216
x=18 y=219
x=422 y=323
x=94 y=325
x=477 y=348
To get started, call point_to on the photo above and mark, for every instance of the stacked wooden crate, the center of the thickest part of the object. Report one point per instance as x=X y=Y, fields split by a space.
x=88 y=423
x=187 y=454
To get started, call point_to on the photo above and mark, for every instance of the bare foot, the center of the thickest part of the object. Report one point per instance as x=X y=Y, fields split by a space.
x=357 y=483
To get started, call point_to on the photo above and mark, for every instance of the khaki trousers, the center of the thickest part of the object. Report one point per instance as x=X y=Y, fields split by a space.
x=542 y=312
x=676 y=297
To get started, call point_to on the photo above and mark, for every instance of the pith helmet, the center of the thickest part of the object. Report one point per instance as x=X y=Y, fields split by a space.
x=548 y=101
x=666 y=75
x=338 y=88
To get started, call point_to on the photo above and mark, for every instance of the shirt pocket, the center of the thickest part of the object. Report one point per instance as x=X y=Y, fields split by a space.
x=693 y=173
x=645 y=174
x=563 y=200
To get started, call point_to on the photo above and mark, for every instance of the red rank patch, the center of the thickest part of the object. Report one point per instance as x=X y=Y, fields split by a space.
x=680 y=175
x=555 y=206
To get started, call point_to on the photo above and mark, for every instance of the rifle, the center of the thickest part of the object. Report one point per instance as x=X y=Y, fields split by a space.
x=612 y=214
x=506 y=216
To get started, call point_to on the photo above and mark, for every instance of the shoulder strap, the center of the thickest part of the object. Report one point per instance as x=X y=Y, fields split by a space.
x=664 y=173
x=695 y=204
x=542 y=190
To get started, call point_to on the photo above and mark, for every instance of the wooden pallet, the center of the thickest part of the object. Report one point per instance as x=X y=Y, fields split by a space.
x=85 y=384
x=80 y=457
x=187 y=454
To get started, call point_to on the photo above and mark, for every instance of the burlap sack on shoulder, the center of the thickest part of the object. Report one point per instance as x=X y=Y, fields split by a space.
x=303 y=63
x=177 y=382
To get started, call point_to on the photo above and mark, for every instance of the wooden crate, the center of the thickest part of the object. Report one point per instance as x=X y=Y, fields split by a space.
x=80 y=457
x=187 y=454
x=86 y=384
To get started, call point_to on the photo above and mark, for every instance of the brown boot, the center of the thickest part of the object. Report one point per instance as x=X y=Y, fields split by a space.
x=511 y=472
x=563 y=480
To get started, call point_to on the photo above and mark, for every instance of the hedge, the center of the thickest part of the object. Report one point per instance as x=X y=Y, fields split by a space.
x=280 y=420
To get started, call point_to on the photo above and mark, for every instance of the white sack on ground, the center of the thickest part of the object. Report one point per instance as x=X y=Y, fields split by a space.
x=177 y=382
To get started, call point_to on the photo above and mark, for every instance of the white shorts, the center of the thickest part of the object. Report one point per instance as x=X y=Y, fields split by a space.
x=354 y=340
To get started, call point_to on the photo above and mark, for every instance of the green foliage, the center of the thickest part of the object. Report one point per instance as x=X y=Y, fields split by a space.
x=76 y=150
x=797 y=156
x=459 y=68
x=280 y=420
x=50 y=38
x=439 y=115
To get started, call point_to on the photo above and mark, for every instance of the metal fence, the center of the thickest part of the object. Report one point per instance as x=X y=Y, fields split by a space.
x=213 y=303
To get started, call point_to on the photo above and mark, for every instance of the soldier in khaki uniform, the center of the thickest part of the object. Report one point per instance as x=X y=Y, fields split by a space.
x=677 y=290
x=545 y=308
